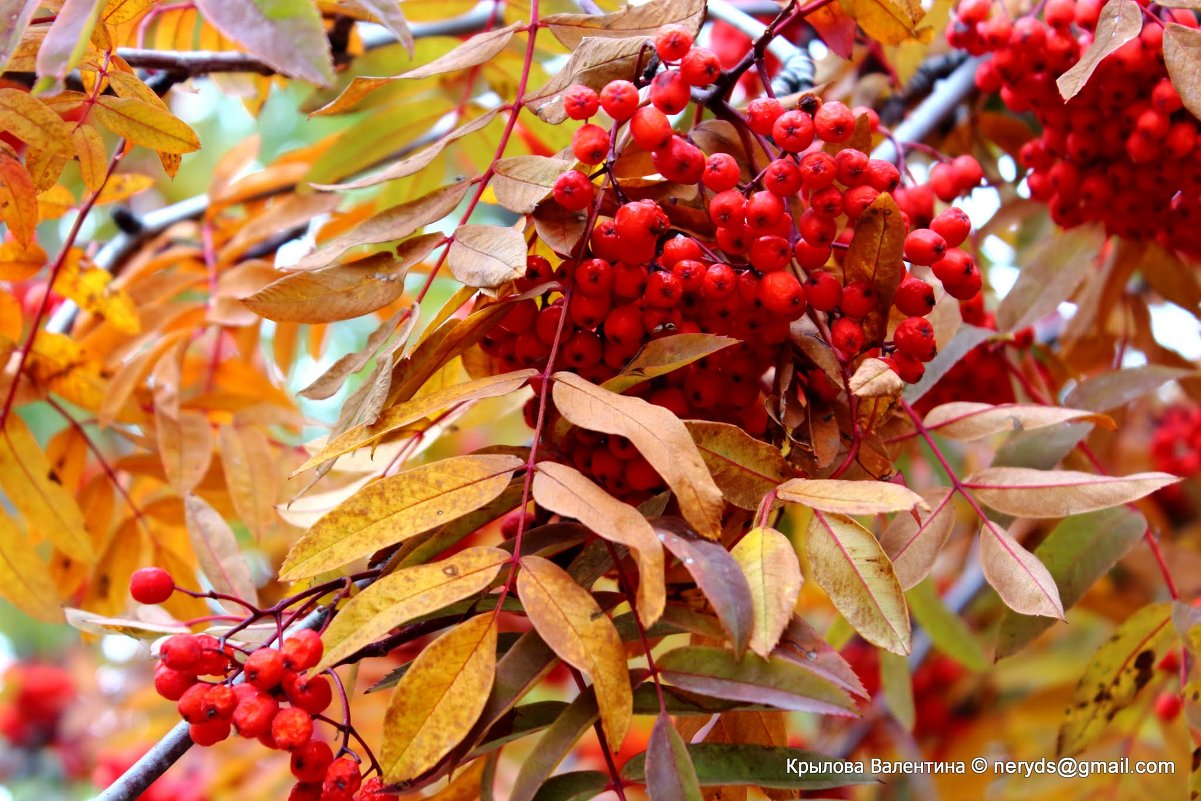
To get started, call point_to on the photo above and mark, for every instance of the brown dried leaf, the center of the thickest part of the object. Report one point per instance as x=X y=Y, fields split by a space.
x=477 y=49
x=567 y=492
x=913 y=540
x=1022 y=581
x=746 y=469
x=217 y=551
x=849 y=497
x=1118 y=23
x=1182 y=54
x=665 y=355
x=1049 y=276
x=875 y=256
x=644 y=20
x=964 y=420
x=522 y=182
x=595 y=62
x=1026 y=492
x=487 y=256
x=657 y=434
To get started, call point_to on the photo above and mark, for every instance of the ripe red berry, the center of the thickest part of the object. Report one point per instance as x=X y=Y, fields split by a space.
x=670 y=92
x=834 y=122
x=181 y=652
x=952 y=266
x=953 y=225
x=968 y=170
x=720 y=282
x=254 y=714
x=305 y=791
x=852 y=166
x=945 y=182
x=823 y=291
x=915 y=337
x=681 y=161
x=700 y=67
x=209 y=732
x=793 y=131
x=770 y=253
x=342 y=777
x=818 y=170
x=762 y=113
x=310 y=762
x=679 y=248
x=151 y=585
x=640 y=222
x=219 y=702
x=924 y=246
x=914 y=297
x=847 y=336
x=782 y=177
x=858 y=299
x=1170 y=663
x=1168 y=706
x=965 y=285
x=172 y=684
x=580 y=102
x=673 y=43
x=291 y=728
x=908 y=368
x=619 y=99
x=573 y=191
x=191 y=703
x=590 y=144
x=650 y=128
x=781 y=293
x=764 y=211
x=727 y=208
x=721 y=172
x=312 y=694
x=810 y=256
x=663 y=290
x=302 y=650
x=264 y=668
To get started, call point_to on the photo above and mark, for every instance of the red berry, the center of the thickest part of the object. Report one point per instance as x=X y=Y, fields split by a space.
x=924 y=246
x=727 y=208
x=663 y=290
x=209 y=732
x=302 y=650
x=914 y=298
x=834 y=122
x=673 y=43
x=291 y=728
x=858 y=299
x=770 y=253
x=721 y=172
x=720 y=282
x=1170 y=663
x=264 y=668
x=650 y=128
x=181 y=652
x=811 y=257
x=254 y=714
x=764 y=211
x=953 y=225
x=219 y=702
x=573 y=191
x=311 y=761
x=793 y=131
x=847 y=336
x=782 y=177
x=762 y=113
x=700 y=67
x=580 y=102
x=679 y=248
x=908 y=368
x=781 y=293
x=1168 y=706
x=823 y=291
x=818 y=170
x=670 y=92
x=590 y=144
x=851 y=166
x=681 y=161
x=915 y=337
x=968 y=170
x=151 y=585
x=312 y=695
x=619 y=99
x=305 y=791
x=945 y=182
x=953 y=266
x=172 y=684
x=191 y=703
x=342 y=776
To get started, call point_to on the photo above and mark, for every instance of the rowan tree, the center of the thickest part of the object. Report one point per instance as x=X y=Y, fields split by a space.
x=553 y=399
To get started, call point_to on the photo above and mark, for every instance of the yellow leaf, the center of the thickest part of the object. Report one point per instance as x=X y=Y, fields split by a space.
x=407 y=594
x=32 y=121
x=567 y=492
x=117 y=12
x=416 y=409
x=19 y=263
x=92 y=289
x=144 y=124
x=849 y=497
x=93 y=160
x=568 y=618
x=773 y=573
x=185 y=445
x=32 y=487
x=121 y=187
x=439 y=698
x=1120 y=668
x=745 y=468
x=10 y=321
x=849 y=564
x=249 y=471
x=398 y=507
x=657 y=434
x=55 y=202
x=888 y=21
x=18 y=200
x=1026 y=492
x=25 y=580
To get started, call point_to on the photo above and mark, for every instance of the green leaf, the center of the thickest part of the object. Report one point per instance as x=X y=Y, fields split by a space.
x=897 y=686
x=1077 y=552
x=577 y=785
x=774 y=767
x=555 y=744
x=947 y=630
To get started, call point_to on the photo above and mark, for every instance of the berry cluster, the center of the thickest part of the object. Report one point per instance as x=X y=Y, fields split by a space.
x=36 y=696
x=1176 y=448
x=1124 y=149
x=275 y=700
x=769 y=249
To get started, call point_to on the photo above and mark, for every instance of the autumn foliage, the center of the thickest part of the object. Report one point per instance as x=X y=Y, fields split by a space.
x=557 y=399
